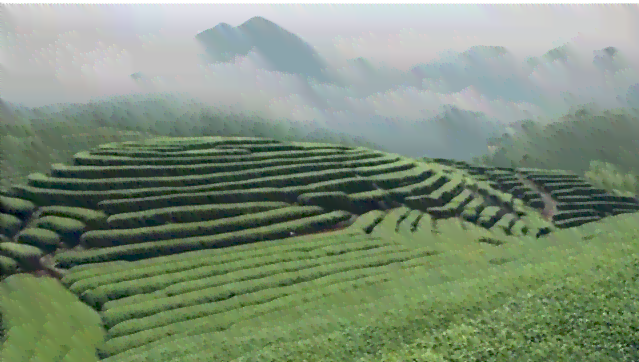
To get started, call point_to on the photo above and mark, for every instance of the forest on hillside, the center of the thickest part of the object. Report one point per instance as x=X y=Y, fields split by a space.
x=602 y=145
x=34 y=138
x=163 y=114
x=584 y=141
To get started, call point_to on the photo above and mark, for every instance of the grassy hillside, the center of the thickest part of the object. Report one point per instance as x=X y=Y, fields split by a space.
x=258 y=249
x=34 y=138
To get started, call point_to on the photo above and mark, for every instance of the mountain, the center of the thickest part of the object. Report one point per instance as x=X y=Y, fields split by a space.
x=609 y=59
x=492 y=70
x=363 y=78
x=463 y=134
x=283 y=51
x=453 y=133
x=474 y=56
x=632 y=96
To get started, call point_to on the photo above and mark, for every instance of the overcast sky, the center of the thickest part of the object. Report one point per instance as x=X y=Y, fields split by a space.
x=70 y=53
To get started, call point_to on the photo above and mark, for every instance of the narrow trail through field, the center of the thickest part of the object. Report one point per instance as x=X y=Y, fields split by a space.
x=550 y=205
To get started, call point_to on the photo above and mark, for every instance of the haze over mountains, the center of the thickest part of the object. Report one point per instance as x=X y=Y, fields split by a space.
x=443 y=107
x=280 y=50
x=480 y=76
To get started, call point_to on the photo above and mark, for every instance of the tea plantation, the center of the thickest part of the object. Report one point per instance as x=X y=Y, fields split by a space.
x=250 y=249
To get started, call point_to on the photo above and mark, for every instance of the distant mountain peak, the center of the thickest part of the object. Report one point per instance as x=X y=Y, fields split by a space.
x=486 y=51
x=477 y=53
x=611 y=51
x=608 y=52
x=558 y=53
x=610 y=59
x=359 y=60
x=362 y=63
x=223 y=25
x=282 y=50
x=259 y=20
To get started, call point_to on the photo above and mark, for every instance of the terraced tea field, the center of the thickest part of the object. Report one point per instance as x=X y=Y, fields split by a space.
x=234 y=240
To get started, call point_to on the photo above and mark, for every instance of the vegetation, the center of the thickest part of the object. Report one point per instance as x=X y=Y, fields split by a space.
x=44 y=321
x=572 y=142
x=39 y=137
x=253 y=248
x=610 y=177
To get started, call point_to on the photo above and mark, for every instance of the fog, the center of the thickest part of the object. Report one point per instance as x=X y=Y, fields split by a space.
x=399 y=75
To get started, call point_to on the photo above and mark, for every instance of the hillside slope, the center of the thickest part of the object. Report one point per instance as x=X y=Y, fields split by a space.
x=175 y=239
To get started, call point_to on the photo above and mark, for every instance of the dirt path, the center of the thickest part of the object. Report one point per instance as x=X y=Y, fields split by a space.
x=550 y=205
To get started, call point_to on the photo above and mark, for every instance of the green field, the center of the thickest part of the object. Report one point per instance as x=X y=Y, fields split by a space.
x=254 y=249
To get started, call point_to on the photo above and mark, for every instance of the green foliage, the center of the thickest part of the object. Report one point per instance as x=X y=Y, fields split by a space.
x=571 y=142
x=57 y=327
x=610 y=177
x=37 y=137
x=401 y=285
x=545 y=297
x=585 y=317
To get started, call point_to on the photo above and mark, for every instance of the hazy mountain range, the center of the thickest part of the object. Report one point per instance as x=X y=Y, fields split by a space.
x=354 y=98
x=444 y=107
x=281 y=50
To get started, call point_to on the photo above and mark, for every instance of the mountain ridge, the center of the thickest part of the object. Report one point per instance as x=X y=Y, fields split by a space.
x=282 y=49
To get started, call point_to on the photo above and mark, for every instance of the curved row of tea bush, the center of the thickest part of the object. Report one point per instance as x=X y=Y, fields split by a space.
x=578 y=201
x=154 y=197
x=177 y=237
